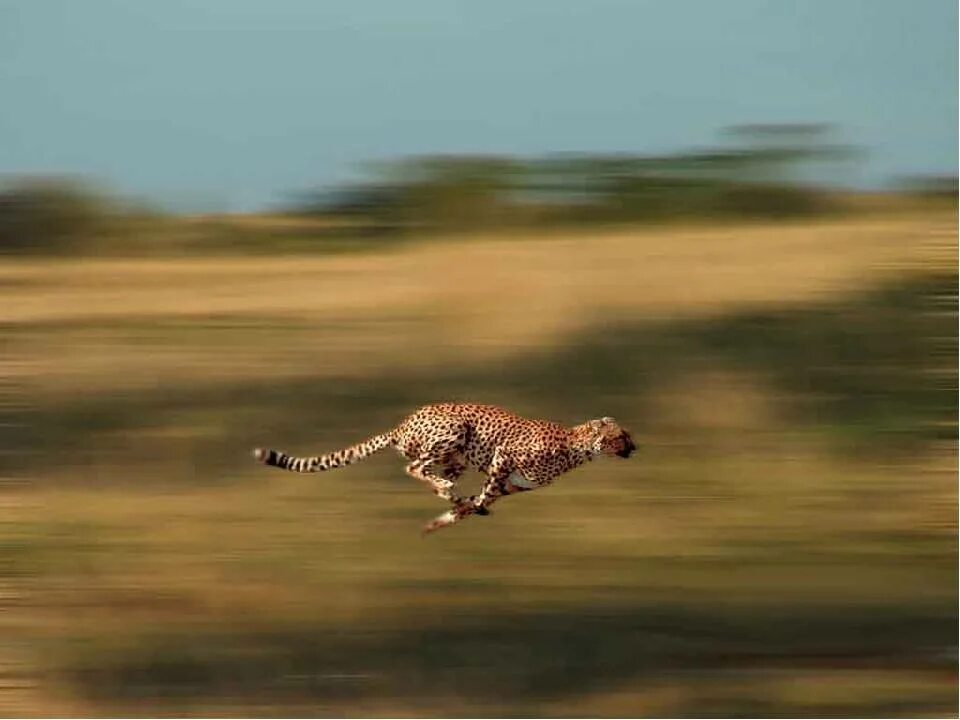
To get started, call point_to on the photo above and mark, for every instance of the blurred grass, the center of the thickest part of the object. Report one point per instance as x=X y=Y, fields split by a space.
x=784 y=544
x=877 y=370
x=562 y=654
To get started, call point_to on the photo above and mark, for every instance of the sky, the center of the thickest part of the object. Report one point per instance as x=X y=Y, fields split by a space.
x=241 y=104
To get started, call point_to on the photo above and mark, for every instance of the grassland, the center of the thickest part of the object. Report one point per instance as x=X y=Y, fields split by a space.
x=786 y=543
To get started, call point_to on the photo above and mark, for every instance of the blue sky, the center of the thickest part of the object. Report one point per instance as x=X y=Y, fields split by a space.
x=237 y=104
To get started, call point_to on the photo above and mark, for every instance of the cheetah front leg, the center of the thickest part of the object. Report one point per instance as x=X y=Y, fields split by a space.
x=503 y=483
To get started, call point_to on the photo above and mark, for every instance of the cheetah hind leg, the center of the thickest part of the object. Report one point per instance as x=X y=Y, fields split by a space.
x=453 y=468
x=441 y=521
x=451 y=516
x=422 y=469
x=459 y=511
x=443 y=484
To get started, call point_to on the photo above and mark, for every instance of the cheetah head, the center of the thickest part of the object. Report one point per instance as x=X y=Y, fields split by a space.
x=610 y=439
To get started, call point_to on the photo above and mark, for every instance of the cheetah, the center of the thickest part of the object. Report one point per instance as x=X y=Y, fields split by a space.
x=442 y=441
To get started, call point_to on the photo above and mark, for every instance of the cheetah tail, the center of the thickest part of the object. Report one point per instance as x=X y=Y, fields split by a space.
x=330 y=461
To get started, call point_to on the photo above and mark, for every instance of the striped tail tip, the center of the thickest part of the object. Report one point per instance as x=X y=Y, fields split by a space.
x=261 y=455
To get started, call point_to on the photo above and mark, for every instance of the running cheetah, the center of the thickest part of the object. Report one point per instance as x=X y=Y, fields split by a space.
x=443 y=440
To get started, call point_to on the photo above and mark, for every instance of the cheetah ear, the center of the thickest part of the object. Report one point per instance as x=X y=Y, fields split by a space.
x=609 y=420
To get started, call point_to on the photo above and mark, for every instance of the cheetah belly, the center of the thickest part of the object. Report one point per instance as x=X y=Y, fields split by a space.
x=519 y=481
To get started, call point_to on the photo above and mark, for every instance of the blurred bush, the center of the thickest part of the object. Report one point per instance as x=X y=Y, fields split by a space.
x=762 y=172
x=50 y=214
x=758 y=176
x=931 y=187
x=759 y=172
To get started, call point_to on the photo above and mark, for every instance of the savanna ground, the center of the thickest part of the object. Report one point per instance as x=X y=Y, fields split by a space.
x=785 y=542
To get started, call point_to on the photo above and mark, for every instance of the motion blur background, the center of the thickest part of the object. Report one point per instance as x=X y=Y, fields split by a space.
x=732 y=226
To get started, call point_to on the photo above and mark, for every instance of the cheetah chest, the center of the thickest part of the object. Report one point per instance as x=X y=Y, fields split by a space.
x=519 y=482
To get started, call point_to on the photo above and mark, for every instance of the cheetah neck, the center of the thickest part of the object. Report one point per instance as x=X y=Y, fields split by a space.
x=581 y=444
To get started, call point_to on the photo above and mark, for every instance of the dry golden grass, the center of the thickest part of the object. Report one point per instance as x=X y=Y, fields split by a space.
x=154 y=551
x=661 y=272
x=87 y=325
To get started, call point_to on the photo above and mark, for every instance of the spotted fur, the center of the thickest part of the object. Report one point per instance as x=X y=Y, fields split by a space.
x=441 y=441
